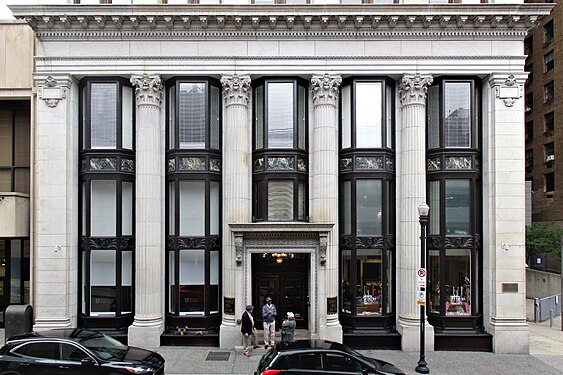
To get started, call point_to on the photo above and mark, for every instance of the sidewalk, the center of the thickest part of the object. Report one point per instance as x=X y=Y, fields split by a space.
x=545 y=358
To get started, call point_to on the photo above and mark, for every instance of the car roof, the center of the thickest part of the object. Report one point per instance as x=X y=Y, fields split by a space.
x=311 y=344
x=74 y=334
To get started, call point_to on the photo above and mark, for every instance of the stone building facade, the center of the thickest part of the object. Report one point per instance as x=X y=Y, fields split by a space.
x=192 y=159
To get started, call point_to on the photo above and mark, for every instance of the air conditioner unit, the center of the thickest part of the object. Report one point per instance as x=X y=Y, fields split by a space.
x=550 y=158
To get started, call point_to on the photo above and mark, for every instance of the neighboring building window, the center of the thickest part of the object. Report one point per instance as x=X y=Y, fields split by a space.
x=454 y=188
x=367 y=196
x=280 y=157
x=530 y=70
x=548 y=61
x=193 y=218
x=529 y=101
x=549 y=150
x=14 y=146
x=106 y=220
x=548 y=92
x=549 y=182
x=529 y=159
x=529 y=130
x=529 y=45
x=549 y=121
x=548 y=32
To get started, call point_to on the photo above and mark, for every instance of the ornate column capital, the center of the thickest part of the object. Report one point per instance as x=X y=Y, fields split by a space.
x=325 y=89
x=413 y=88
x=52 y=90
x=236 y=89
x=148 y=89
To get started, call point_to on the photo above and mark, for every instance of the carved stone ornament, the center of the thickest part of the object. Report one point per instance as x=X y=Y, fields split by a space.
x=413 y=88
x=51 y=92
x=148 y=89
x=236 y=90
x=238 y=250
x=325 y=89
x=510 y=91
x=323 y=244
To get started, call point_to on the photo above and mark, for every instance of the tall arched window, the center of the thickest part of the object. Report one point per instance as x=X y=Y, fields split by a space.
x=193 y=178
x=106 y=222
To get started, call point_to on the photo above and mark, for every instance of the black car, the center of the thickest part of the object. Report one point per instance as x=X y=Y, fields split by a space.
x=75 y=351
x=320 y=357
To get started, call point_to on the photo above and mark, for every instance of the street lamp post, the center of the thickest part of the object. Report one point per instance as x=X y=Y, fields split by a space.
x=423 y=210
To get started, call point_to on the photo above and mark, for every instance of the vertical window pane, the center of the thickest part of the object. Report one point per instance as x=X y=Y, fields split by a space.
x=84 y=209
x=433 y=281
x=260 y=117
x=192 y=208
x=127 y=118
x=346 y=296
x=102 y=281
x=368 y=269
x=172 y=282
x=388 y=283
x=368 y=208
x=21 y=139
x=346 y=132
x=127 y=209
x=84 y=282
x=214 y=208
x=280 y=200
x=302 y=119
x=103 y=115
x=214 y=118
x=214 y=282
x=434 y=204
x=368 y=114
x=126 y=281
x=280 y=115
x=389 y=117
x=5 y=181
x=15 y=271
x=458 y=284
x=346 y=207
x=6 y=138
x=103 y=208
x=457 y=114
x=172 y=208
x=433 y=117
x=191 y=115
x=21 y=180
x=301 y=204
x=172 y=117
x=458 y=203
x=192 y=281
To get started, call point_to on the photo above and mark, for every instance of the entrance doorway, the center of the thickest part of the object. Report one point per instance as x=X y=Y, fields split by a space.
x=285 y=278
x=14 y=273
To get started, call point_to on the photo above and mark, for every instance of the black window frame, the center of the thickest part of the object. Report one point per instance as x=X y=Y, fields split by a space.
x=548 y=92
x=548 y=32
x=549 y=122
x=548 y=61
x=18 y=109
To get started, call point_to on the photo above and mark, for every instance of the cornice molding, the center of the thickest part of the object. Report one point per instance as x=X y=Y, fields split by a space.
x=296 y=21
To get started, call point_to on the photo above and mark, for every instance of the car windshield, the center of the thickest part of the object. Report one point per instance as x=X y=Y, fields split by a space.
x=267 y=359
x=102 y=345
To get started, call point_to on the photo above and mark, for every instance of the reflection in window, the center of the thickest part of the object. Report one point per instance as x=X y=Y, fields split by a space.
x=346 y=288
x=102 y=282
x=457 y=114
x=458 y=207
x=191 y=115
x=369 y=286
x=433 y=281
x=368 y=207
x=368 y=115
x=280 y=200
x=434 y=204
x=192 y=282
x=280 y=115
x=103 y=115
x=458 y=282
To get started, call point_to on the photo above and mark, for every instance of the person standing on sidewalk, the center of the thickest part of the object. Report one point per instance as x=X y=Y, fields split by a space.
x=248 y=330
x=269 y=313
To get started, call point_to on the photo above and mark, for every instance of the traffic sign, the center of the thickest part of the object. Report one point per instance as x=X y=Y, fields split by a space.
x=421 y=278
x=421 y=298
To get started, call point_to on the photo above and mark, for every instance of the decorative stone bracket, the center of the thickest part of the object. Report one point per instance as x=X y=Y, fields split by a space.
x=509 y=91
x=238 y=248
x=51 y=92
x=323 y=244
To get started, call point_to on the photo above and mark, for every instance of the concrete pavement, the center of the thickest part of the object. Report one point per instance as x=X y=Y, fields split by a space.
x=545 y=358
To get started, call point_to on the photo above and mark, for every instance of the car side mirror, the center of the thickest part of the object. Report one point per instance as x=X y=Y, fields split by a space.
x=87 y=361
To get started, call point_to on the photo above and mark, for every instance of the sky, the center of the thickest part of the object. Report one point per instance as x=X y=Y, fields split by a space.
x=4 y=11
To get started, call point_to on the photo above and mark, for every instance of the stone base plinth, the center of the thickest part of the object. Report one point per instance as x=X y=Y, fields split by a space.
x=145 y=337
x=410 y=335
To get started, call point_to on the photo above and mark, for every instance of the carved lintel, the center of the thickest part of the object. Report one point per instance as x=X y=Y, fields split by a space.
x=148 y=89
x=236 y=89
x=325 y=88
x=51 y=92
x=323 y=244
x=413 y=88
x=238 y=248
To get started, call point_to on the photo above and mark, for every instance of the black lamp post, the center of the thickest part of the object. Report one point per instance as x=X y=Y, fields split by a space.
x=423 y=210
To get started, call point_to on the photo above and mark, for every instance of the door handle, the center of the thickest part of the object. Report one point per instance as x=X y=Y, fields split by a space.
x=62 y=366
x=24 y=364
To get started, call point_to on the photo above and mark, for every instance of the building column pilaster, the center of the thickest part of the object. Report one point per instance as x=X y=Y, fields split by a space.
x=55 y=201
x=412 y=191
x=504 y=248
x=237 y=199
x=149 y=228
x=324 y=193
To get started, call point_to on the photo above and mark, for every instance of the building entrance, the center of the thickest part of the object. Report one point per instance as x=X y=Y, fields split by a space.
x=285 y=278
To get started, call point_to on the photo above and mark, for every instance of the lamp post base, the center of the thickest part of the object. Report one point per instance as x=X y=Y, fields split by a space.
x=422 y=367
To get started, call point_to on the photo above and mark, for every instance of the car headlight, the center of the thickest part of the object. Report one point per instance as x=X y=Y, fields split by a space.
x=138 y=369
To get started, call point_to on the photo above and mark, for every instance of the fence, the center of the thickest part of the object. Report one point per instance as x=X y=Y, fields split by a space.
x=546 y=308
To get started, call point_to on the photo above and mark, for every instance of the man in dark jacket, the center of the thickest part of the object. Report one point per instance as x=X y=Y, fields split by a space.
x=248 y=330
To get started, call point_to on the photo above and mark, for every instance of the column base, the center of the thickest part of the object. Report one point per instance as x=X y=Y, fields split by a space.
x=42 y=324
x=147 y=337
x=331 y=333
x=510 y=336
x=229 y=335
x=409 y=329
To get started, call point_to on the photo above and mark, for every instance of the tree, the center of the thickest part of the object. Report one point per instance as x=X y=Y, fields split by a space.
x=542 y=239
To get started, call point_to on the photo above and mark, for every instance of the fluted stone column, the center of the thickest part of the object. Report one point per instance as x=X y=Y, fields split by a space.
x=324 y=195
x=504 y=248
x=55 y=202
x=149 y=229
x=237 y=199
x=412 y=191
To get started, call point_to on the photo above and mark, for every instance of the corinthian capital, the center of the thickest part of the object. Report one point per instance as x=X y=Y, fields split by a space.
x=413 y=88
x=325 y=88
x=148 y=89
x=236 y=90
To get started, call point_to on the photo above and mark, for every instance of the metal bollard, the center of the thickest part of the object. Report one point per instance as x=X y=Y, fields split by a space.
x=550 y=318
